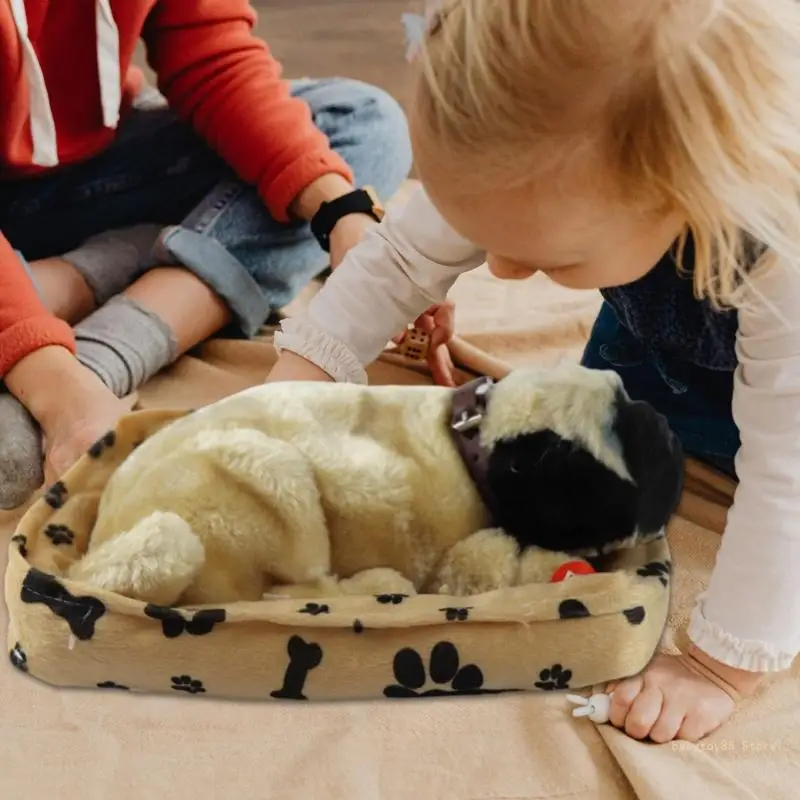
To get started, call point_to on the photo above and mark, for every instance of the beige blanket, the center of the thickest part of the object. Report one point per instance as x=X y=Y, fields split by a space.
x=64 y=745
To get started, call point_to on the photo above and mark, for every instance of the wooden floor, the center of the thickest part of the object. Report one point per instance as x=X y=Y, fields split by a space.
x=354 y=38
x=350 y=38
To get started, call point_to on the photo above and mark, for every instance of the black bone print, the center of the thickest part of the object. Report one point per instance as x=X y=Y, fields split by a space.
x=456 y=614
x=391 y=599
x=358 y=626
x=315 y=609
x=112 y=685
x=174 y=624
x=188 y=684
x=80 y=612
x=102 y=444
x=303 y=657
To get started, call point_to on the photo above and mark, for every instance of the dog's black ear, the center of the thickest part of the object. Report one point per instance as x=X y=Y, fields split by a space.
x=654 y=457
x=550 y=492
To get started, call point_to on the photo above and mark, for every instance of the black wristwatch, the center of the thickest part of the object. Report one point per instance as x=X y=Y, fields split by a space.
x=359 y=201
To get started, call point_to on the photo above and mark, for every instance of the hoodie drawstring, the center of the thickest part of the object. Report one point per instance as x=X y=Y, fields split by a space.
x=108 y=63
x=43 y=128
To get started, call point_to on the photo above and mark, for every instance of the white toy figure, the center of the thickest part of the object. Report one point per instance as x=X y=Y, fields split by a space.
x=596 y=707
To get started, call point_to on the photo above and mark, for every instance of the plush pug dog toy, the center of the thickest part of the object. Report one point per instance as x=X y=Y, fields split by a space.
x=323 y=489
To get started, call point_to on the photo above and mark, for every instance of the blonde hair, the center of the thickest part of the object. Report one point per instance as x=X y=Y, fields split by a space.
x=696 y=104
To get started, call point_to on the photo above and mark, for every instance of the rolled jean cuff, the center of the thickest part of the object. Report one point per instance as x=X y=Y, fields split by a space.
x=209 y=261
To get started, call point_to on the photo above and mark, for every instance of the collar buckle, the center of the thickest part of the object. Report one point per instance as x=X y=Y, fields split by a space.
x=471 y=417
x=467 y=422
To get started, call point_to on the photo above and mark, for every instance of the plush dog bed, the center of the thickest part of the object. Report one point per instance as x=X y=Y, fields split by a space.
x=567 y=635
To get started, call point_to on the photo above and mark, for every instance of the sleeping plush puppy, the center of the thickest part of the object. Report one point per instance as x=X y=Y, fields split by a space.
x=323 y=489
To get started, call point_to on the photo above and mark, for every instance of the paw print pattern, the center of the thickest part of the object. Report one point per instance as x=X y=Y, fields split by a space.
x=185 y=683
x=456 y=614
x=358 y=626
x=56 y=495
x=656 y=569
x=59 y=535
x=315 y=609
x=102 y=444
x=112 y=685
x=444 y=670
x=18 y=658
x=391 y=599
x=174 y=624
x=554 y=679
x=22 y=544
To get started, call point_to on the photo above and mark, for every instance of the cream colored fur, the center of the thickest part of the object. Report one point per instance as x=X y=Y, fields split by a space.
x=317 y=490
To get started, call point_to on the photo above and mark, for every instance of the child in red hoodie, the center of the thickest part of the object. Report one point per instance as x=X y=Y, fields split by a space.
x=132 y=231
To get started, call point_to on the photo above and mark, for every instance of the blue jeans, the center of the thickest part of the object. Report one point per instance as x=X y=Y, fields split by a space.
x=696 y=400
x=159 y=171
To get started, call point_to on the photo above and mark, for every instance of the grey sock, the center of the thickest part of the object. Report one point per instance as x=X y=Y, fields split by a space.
x=124 y=344
x=110 y=262
x=21 y=459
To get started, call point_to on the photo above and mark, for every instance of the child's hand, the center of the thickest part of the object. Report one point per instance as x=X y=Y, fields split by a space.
x=668 y=700
x=439 y=323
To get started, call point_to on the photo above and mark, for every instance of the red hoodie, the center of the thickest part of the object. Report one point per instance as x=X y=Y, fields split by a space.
x=214 y=72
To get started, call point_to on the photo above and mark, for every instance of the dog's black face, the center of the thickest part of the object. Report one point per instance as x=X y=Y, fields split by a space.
x=552 y=492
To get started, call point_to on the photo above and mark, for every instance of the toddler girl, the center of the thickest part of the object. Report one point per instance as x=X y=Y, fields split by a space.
x=591 y=141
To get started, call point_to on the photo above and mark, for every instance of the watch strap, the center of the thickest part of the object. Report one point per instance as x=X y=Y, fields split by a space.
x=359 y=201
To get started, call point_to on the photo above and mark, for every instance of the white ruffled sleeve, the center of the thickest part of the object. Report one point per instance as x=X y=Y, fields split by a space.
x=750 y=616
x=406 y=264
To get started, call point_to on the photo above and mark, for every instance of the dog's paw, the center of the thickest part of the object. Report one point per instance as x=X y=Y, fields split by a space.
x=376 y=582
x=484 y=562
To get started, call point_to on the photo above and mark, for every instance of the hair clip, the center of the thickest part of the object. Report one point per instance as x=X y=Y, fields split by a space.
x=418 y=26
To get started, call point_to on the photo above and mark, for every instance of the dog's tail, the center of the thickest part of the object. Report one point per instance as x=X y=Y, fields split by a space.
x=155 y=561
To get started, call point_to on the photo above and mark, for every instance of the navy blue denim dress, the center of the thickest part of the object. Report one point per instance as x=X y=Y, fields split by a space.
x=674 y=351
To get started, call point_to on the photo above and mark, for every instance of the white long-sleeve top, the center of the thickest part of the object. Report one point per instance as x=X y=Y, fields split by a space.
x=750 y=615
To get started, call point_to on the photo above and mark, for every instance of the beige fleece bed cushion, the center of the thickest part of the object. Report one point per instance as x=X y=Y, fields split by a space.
x=568 y=635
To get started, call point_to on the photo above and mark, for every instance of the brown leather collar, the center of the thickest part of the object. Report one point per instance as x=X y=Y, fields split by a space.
x=469 y=407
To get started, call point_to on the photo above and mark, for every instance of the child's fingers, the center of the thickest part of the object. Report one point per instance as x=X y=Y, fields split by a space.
x=426 y=323
x=644 y=713
x=697 y=725
x=669 y=722
x=624 y=696
x=441 y=366
x=444 y=318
